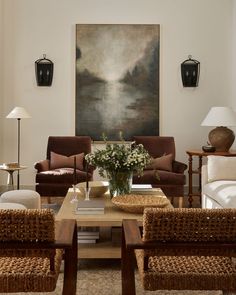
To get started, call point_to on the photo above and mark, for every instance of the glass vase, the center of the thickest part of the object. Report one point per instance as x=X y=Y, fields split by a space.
x=120 y=182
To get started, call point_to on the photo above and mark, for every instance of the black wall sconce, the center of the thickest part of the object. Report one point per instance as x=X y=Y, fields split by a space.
x=190 y=70
x=44 y=71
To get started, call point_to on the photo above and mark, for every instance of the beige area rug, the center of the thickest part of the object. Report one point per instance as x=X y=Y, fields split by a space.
x=103 y=277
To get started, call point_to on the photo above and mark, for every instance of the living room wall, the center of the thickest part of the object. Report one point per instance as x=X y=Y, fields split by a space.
x=202 y=28
x=1 y=76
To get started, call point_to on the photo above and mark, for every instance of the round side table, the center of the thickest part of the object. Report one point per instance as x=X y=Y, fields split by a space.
x=11 y=170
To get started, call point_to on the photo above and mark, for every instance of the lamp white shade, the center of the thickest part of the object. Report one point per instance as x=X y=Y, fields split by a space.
x=220 y=116
x=18 y=113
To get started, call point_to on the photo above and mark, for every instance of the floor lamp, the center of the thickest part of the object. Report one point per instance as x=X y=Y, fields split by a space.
x=18 y=113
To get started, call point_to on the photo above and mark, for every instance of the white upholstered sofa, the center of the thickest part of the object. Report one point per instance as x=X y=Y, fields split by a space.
x=219 y=182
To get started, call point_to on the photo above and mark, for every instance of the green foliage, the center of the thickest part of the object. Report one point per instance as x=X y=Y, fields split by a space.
x=119 y=157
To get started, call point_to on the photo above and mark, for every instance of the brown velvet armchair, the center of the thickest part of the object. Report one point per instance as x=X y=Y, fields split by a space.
x=54 y=175
x=171 y=172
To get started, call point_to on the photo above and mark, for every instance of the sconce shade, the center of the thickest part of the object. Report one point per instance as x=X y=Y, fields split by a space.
x=221 y=137
x=18 y=113
x=190 y=70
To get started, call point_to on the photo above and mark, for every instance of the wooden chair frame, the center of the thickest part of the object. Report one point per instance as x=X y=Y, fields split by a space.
x=131 y=240
x=66 y=239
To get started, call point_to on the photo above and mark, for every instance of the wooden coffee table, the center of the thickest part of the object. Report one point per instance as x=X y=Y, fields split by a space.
x=112 y=217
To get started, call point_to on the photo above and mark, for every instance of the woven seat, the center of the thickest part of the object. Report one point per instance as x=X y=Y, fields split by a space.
x=31 y=251
x=181 y=249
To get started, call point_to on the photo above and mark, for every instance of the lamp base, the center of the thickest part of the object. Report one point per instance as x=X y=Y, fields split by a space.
x=221 y=138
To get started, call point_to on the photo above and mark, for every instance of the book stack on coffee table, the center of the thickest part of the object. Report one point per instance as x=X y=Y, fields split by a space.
x=90 y=207
x=88 y=235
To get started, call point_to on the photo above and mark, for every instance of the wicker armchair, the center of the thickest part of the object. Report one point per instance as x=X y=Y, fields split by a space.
x=181 y=249
x=31 y=250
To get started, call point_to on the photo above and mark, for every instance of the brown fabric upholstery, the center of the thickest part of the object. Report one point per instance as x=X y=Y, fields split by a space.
x=56 y=182
x=171 y=182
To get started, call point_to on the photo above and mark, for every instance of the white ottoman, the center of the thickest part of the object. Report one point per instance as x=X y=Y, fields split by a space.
x=30 y=199
x=11 y=206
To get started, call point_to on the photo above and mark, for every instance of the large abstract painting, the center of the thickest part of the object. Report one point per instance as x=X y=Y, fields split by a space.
x=117 y=80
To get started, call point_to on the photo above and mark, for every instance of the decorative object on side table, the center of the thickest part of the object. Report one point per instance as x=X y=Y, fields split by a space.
x=208 y=148
x=18 y=113
x=221 y=137
x=117 y=162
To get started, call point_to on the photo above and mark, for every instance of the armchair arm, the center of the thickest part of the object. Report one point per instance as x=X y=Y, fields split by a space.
x=179 y=167
x=42 y=165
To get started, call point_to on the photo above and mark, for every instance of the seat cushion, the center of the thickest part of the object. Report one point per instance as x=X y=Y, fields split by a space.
x=223 y=191
x=64 y=175
x=187 y=273
x=28 y=274
x=166 y=177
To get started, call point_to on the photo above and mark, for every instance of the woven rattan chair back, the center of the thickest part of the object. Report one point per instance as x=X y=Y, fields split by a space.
x=189 y=225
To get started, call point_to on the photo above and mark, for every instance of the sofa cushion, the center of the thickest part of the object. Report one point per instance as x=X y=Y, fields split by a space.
x=61 y=161
x=220 y=168
x=161 y=163
x=223 y=191
x=64 y=175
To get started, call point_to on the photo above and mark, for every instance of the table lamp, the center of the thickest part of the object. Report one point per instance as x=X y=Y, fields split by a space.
x=221 y=137
x=18 y=113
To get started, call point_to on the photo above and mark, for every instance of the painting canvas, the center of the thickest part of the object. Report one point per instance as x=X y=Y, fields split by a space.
x=117 y=80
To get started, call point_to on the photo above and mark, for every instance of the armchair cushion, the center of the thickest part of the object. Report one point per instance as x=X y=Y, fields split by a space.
x=220 y=168
x=161 y=163
x=61 y=161
x=63 y=175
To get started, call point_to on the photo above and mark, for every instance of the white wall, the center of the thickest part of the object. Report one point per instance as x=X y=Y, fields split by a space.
x=1 y=78
x=201 y=28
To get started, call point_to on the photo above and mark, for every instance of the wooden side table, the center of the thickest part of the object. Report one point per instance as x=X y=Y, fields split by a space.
x=191 y=171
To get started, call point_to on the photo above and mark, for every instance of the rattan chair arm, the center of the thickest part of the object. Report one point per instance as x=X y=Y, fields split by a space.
x=131 y=233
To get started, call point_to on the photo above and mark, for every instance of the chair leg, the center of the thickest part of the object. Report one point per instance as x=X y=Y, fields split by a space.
x=127 y=269
x=70 y=268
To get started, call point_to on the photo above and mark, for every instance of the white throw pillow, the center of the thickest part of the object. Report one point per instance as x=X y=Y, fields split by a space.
x=221 y=168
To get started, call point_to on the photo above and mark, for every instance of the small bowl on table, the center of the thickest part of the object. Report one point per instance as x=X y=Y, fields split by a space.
x=97 y=188
x=208 y=149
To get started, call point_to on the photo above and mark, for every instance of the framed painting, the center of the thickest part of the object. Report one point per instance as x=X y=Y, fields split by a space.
x=117 y=80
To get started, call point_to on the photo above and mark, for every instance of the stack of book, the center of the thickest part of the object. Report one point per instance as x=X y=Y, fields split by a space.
x=141 y=187
x=88 y=235
x=90 y=207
